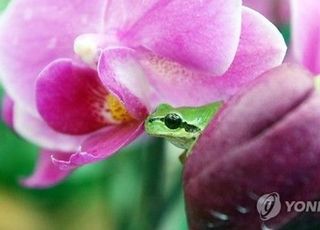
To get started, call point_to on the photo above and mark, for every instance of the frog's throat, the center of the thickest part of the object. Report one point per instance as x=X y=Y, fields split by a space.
x=183 y=143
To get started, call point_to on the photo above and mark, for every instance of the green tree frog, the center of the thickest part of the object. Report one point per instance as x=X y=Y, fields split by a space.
x=181 y=126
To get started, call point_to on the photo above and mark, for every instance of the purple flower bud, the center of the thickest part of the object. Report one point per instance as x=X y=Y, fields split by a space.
x=266 y=139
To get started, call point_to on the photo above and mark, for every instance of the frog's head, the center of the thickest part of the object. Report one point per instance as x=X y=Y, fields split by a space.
x=181 y=126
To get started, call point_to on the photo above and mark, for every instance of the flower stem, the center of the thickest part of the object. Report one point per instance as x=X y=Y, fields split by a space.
x=152 y=197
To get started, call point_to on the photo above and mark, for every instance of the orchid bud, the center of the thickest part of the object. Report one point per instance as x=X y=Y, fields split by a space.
x=264 y=141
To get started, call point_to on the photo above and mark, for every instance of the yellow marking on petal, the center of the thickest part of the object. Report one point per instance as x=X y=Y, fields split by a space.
x=117 y=109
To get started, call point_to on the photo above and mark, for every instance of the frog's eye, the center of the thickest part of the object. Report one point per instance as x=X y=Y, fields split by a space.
x=173 y=121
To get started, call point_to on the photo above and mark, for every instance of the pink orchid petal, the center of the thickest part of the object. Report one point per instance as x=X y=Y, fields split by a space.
x=38 y=132
x=200 y=34
x=306 y=33
x=71 y=98
x=254 y=55
x=123 y=76
x=265 y=7
x=277 y=11
x=181 y=86
x=101 y=145
x=7 y=110
x=125 y=13
x=33 y=33
x=46 y=173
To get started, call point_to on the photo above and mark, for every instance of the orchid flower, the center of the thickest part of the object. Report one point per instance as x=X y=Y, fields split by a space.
x=270 y=147
x=83 y=75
